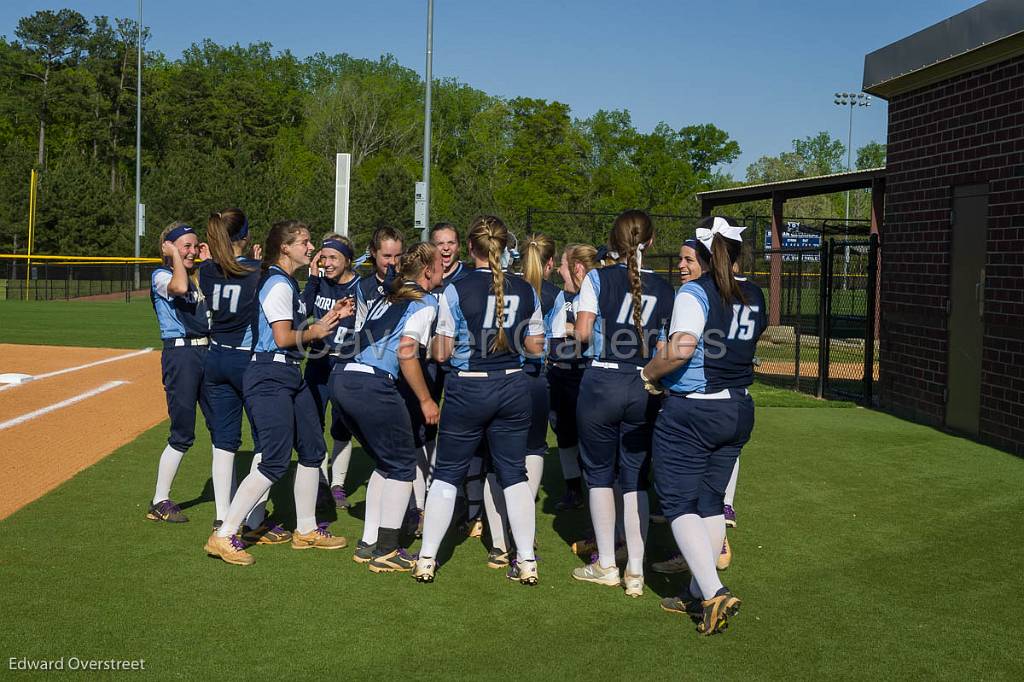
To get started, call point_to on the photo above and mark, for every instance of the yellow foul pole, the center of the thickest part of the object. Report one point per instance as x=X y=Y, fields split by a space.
x=33 y=178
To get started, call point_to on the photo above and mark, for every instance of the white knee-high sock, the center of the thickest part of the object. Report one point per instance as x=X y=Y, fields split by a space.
x=475 y=487
x=567 y=457
x=494 y=507
x=522 y=519
x=258 y=511
x=692 y=537
x=730 y=489
x=252 y=488
x=620 y=530
x=165 y=473
x=371 y=513
x=602 y=515
x=419 y=484
x=223 y=475
x=307 y=479
x=437 y=516
x=339 y=462
x=635 y=518
x=715 y=526
x=534 y=472
x=394 y=501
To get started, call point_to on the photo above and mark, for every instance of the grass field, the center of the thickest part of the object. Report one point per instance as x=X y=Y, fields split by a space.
x=868 y=547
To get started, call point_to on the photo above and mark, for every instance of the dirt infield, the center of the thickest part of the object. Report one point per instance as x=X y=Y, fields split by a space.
x=809 y=370
x=67 y=422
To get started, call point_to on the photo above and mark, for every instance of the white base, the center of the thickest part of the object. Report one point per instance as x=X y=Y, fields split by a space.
x=15 y=378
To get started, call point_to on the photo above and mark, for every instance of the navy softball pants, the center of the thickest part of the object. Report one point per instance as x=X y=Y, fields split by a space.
x=492 y=410
x=376 y=414
x=282 y=405
x=540 y=406
x=318 y=376
x=182 y=373
x=696 y=443
x=223 y=370
x=564 y=391
x=615 y=416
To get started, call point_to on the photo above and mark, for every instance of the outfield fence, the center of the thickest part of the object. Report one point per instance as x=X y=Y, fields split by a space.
x=823 y=314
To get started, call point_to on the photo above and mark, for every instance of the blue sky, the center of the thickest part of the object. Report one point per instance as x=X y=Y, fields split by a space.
x=763 y=71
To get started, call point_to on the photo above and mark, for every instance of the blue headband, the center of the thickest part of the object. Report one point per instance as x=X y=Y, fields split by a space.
x=244 y=232
x=692 y=243
x=178 y=232
x=339 y=246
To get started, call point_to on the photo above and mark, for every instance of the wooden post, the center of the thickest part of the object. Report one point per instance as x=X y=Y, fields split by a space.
x=775 y=280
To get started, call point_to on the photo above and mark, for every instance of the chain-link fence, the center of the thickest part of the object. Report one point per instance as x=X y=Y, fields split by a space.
x=48 y=280
x=822 y=333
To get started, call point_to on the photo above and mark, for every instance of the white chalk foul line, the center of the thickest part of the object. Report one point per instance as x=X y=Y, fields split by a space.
x=62 y=404
x=67 y=370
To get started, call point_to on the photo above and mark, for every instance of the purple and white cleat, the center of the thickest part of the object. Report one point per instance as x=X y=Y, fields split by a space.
x=730 y=516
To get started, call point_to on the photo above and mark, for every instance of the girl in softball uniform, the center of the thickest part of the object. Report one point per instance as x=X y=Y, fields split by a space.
x=184 y=328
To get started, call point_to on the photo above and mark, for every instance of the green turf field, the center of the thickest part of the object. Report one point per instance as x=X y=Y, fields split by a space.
x=101 y=324
x=867 y=548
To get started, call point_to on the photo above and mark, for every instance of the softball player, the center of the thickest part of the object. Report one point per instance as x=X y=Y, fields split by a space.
x=566 y=366
x=486 y=323
x=331 y=279
x=386 y=246
x=228 y=282
x=279 y=399
x=445 y=237
x=538 y=260
x=184 y=325
x=708 y=415
x=623 y=312
x=396 y=326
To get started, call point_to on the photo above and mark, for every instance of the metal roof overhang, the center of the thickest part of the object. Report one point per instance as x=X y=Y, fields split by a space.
x=794 y=189
x=986 y=34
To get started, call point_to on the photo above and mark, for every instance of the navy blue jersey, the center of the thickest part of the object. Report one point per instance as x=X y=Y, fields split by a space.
x=232 y=302
x=548 y=296
x=320 y=295
x=606 y=293
x=561 y=346
x=182 y=316
x=468 y=315
x=386 y=324
x=279 y=300
x=726 y=336
x=460 y=271
x=368 y=290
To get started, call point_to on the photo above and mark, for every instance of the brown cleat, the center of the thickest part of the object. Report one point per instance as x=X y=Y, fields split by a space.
x=319 y=538
x=272 y=534
x=230 y=549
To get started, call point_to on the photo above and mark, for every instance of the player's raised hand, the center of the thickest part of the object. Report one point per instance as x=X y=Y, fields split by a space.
x=204 y=251
x=314 y=264
x=257 y=252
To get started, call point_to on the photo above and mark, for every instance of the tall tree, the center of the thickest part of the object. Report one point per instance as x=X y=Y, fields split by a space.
x=56 y=40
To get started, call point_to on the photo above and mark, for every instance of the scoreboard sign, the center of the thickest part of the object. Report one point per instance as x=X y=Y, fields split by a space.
x=793 y=238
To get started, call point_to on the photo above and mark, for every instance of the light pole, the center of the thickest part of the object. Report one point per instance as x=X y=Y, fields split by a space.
x=138 y=147
x=426 y=121
x=852 y=100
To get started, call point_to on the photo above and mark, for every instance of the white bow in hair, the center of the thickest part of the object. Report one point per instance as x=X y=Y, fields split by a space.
x=719 y=226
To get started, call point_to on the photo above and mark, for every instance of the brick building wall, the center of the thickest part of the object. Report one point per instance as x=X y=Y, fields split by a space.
x=966 y=130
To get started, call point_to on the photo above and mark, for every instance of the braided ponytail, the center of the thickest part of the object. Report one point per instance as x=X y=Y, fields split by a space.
x=489 y=235
x=411 y=265
x=631 y=230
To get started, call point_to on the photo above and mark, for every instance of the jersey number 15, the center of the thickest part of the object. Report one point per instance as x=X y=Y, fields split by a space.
x=742 y=327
